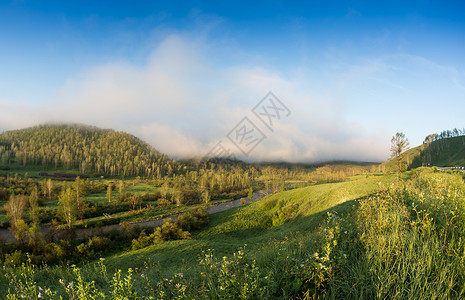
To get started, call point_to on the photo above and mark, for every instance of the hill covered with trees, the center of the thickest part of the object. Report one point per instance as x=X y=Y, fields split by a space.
x=84 y=148
x=443 y=150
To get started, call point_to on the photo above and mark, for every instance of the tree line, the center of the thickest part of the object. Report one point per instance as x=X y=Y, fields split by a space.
x=86 y=148
x=444 y=135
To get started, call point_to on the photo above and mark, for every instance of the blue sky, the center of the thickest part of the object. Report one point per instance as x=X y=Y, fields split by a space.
x=181 y=74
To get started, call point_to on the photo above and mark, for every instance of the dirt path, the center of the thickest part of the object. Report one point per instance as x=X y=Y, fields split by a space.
x=7 y=237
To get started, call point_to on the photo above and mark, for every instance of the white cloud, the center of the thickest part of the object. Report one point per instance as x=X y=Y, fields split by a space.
x=182 y=104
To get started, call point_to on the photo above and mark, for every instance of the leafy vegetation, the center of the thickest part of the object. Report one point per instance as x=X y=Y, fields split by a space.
x=245 y=272
x=336 y=231
x=83 y=148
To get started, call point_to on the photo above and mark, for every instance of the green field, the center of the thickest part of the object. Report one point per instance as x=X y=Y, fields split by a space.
x=289 y=218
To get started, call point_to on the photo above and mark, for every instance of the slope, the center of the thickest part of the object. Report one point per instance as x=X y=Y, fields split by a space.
x=297 y=212
x=441 y=153
x=83 y=148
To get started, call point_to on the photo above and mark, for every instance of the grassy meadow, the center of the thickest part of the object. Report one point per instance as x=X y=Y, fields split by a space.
x=366 y=237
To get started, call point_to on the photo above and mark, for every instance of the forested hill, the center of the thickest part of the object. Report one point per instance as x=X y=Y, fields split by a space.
x=84 y=148
x=443 y=150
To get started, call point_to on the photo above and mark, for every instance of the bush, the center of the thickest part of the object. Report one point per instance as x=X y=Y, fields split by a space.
x=169 y=231
x=125 y=197
x=150 y=196
x=53 y=253
x=15 y=259
x=94 y=246
x=193 y=220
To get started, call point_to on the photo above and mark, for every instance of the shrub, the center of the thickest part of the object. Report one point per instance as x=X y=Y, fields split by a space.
x=169 y=231
x=15 y=259
x=53 y=252
x=95 y=246
x=193 y=220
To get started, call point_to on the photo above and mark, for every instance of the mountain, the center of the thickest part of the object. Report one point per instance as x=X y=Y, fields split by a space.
x=83 y=148
x=442 y=152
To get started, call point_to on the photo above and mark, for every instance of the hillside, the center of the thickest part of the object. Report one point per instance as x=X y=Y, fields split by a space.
x=363 y=237
x=83 y=148
x=442 y=153
x=280 y=233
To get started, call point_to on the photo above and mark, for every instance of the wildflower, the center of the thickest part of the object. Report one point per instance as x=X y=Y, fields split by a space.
x=302 y=265
x=40 y=295
x=345 y=232
x=178 y=285
x=40 y=289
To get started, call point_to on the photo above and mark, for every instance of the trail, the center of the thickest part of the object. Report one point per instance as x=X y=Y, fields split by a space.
x=7 y=237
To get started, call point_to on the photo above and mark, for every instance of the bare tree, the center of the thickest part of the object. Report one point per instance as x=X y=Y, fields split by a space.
x=399 y=143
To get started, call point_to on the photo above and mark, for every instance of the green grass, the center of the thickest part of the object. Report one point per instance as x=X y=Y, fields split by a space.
x=297 y=215
x=370 y=237
x=302 y=211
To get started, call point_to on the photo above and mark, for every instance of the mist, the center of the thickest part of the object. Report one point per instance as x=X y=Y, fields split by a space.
x=183 y=102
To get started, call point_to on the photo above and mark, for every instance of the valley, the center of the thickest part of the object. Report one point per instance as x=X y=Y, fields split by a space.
x=227 y=229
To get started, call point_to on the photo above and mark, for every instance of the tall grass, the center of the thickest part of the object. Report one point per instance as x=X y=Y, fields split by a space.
x=411 y=242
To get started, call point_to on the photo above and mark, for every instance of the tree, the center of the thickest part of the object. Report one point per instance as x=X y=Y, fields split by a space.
x=135 y=200
x=67 y=206
x=49 y=188
x=250 y=195
x=206 y=196
x=34 y=205
x=15 y=208
x=121 y=187
x=164 y=192
x=43 y=187
x=399 y=143
x=81 y=203
x=109 y=194
x=21 y=230
x=178 y=197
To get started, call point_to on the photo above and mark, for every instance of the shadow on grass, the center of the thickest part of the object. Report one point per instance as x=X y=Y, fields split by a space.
x=171 y=257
